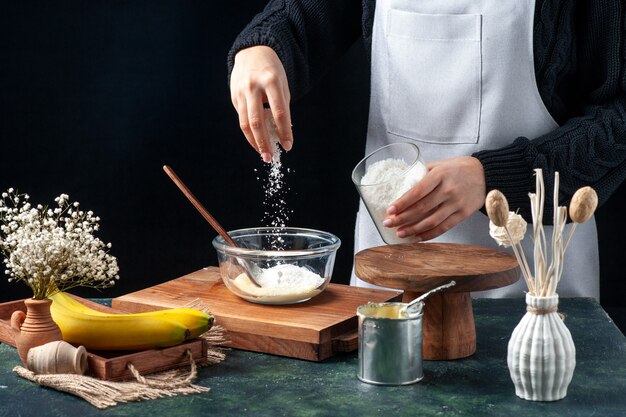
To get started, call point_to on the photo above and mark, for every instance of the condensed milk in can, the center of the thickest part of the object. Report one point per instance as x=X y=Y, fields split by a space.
x=390 y=344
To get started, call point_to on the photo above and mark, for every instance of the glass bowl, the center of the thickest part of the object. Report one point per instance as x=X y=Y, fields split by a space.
x=296 y=264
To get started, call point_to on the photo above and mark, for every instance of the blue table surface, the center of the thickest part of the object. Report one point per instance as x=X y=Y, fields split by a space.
x=256 y=384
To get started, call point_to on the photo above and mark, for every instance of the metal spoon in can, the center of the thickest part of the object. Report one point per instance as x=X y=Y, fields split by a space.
x=404 y=311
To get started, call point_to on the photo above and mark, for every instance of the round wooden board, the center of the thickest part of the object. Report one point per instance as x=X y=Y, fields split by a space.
x=418 y=267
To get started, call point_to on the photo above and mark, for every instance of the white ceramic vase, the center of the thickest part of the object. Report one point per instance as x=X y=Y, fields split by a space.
x=541 y=353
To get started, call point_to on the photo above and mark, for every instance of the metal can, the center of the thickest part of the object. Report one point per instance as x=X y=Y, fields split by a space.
x=390 y=344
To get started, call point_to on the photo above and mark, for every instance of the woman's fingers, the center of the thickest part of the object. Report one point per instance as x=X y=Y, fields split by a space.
x=452 y=190
x=256 y=122
x=419 y=191
x=423 y=230
x=419 y=208
x=278 y=98
x=244 y=124
x=258 y=77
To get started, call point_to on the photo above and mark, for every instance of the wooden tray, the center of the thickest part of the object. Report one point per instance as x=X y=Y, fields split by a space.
x=313 y=330
x=112 y=366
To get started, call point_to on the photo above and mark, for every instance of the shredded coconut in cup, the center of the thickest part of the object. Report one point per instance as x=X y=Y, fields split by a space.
x=384 y=176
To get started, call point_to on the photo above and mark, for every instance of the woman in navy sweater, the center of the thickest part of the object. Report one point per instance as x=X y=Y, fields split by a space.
x=489 y=90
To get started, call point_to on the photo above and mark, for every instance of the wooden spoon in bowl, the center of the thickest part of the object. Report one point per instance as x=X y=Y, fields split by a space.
x=251 y=269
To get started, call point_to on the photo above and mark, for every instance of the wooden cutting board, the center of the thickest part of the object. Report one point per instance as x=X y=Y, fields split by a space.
x=313 y=330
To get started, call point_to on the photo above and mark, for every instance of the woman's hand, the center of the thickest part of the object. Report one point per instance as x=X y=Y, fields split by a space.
x=259 y=77
x=452 y=190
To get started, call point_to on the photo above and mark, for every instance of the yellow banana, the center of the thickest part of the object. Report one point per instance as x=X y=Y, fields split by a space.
x=73 y=304
x=106 y=331
x=195 y=320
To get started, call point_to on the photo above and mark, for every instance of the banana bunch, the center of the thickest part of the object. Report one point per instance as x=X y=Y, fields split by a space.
x=96 y=330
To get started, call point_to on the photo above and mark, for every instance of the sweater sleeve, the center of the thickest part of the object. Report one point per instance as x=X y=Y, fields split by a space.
x=307 y=35
x=582 y=80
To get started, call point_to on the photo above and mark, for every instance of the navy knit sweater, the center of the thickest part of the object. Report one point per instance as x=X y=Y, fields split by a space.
x=580 y=66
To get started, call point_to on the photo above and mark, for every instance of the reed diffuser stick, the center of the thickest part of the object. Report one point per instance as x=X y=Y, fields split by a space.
x=548 y=262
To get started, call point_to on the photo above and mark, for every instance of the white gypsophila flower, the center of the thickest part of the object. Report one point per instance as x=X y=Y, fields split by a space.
x=517 y=227
x=53 y=249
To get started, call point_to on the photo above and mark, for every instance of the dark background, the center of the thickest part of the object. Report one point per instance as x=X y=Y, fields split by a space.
x=95 y=96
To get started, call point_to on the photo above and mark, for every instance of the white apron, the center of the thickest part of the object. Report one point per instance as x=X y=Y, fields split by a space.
x=457 y=77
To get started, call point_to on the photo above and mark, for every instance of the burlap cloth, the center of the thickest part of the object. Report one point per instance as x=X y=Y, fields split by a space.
x=103 y=394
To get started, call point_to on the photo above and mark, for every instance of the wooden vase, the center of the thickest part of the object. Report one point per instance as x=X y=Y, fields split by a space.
x=541 y=353
x=34 y=328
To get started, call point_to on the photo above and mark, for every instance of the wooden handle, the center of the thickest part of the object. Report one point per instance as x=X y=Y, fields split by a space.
x=204 y=212
x=17 y=319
